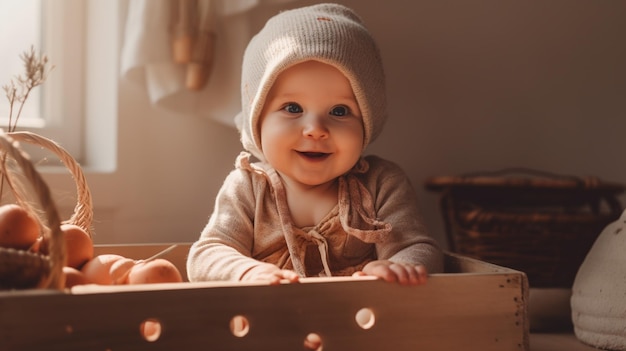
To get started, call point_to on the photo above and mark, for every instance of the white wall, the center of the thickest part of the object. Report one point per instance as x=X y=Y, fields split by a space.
x=472 y=85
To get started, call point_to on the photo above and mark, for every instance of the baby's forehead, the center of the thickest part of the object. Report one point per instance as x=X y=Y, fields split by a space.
x=312 y=75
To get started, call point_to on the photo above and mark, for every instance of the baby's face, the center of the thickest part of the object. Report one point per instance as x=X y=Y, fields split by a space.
x=311 y=124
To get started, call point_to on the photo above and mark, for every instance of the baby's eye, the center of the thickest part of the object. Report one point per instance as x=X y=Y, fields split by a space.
x=340 y=111
x=292 y=108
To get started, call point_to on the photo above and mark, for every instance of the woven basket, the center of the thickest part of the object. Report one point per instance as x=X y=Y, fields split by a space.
x=21 y=269
x=536 y=222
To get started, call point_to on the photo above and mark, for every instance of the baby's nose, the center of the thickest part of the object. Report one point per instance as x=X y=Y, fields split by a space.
x=314 y=127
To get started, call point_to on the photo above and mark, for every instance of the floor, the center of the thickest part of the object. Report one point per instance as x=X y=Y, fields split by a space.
x=550 y=322
x=557 y=342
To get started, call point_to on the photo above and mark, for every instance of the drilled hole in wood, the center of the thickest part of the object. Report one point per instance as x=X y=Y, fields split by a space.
x=239 y=326
x=365 y=318
x=150 y=329
x=313 y=341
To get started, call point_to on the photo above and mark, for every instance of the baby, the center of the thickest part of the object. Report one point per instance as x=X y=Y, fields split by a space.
x=311 y=204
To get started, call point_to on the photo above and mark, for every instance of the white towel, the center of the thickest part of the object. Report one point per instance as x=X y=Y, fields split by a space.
x=146 y=58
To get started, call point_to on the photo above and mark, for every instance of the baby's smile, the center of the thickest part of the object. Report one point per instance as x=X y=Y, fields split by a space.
x=314 y=155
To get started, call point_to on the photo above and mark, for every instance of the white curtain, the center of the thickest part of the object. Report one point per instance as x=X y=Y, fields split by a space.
x=201 y=81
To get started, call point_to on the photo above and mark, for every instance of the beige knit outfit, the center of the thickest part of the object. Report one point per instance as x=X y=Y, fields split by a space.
x=376 y=216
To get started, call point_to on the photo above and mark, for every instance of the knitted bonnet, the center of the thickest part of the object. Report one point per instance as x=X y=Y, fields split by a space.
x=329 y=33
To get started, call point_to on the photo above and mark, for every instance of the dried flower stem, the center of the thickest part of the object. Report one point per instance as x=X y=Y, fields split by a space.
x=37 y=70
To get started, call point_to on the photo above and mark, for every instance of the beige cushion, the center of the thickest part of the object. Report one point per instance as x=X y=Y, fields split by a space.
x=599 y=291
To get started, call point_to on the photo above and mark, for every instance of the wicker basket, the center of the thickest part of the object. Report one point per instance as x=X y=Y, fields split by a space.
x=536 y=222
x=21 y=269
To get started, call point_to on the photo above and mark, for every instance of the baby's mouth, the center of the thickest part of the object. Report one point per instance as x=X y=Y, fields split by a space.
x=313 y=155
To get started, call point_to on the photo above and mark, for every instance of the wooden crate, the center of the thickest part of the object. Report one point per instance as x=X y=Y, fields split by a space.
x=473 y=306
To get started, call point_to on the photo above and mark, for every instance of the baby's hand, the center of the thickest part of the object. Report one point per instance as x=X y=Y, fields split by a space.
x=270 y=273
x=401 y=273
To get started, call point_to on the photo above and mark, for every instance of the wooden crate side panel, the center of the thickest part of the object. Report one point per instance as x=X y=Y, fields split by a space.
x=451 y=312
x=454 y=263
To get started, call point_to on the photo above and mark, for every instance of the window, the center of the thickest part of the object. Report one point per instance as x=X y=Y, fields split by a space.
x=22 y=17
x=56 y=29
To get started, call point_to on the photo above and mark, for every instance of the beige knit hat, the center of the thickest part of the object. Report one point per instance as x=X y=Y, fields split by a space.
x=328 y=33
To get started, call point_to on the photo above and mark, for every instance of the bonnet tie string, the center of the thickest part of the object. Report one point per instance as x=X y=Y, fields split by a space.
x=322 y=246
